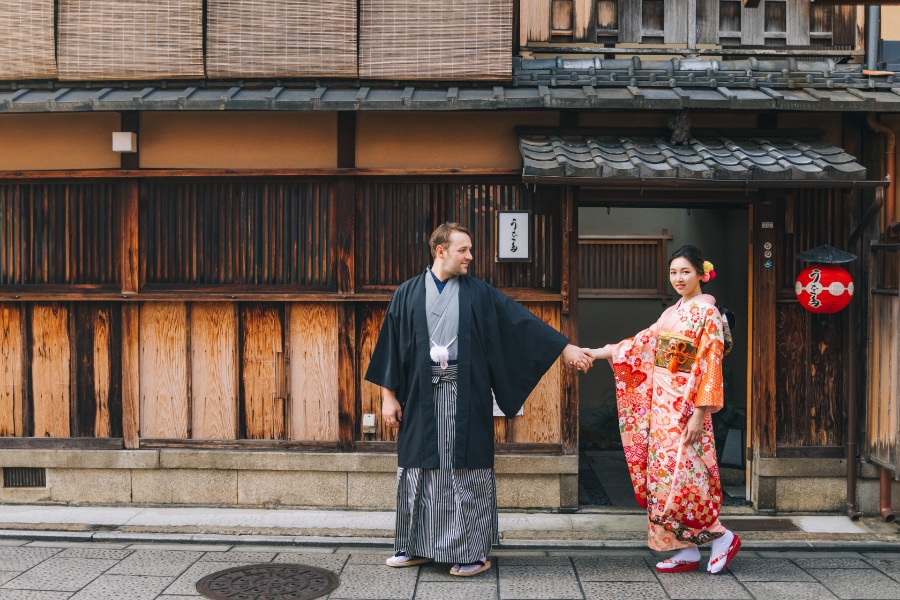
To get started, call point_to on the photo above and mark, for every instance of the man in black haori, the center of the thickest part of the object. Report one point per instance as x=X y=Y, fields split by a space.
x=449 y=340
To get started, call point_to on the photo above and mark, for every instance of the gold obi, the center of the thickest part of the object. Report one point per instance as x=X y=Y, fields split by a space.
x=675 y=352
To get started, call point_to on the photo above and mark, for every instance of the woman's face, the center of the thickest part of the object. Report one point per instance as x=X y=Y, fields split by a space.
x=684 y=278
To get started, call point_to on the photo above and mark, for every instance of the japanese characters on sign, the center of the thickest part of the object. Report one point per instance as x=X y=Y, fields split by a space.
x=513 y=235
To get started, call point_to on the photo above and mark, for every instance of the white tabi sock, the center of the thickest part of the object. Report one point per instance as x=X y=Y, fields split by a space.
x=719 y=549
x=688 y=555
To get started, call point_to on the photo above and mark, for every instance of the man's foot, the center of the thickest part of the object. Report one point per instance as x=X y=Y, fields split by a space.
x=686 y=559
x=724 y=550
x=402 y=560
x=469 y=569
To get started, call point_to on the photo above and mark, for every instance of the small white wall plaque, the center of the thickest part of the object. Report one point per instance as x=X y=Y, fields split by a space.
x=513 y=236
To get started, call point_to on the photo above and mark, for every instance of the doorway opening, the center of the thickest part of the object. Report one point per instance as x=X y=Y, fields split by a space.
x=623 y=288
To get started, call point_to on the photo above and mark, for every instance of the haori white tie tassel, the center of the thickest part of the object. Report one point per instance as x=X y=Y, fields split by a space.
x=441 y=354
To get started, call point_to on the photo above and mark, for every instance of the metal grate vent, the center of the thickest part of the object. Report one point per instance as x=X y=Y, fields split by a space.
x=24 y=477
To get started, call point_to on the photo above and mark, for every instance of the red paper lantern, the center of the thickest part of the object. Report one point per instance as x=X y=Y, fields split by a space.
x=824 y=289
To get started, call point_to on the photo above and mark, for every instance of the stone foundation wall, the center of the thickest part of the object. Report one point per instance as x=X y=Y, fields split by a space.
x=814 y=485
x=264 y=479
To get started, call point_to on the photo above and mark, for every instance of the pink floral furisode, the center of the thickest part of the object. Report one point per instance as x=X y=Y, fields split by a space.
x=661 y=374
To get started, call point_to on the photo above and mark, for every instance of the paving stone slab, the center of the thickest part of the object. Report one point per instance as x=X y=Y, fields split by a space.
x=767 y=569
x=532 y=561
x=33 y=595
x=153 y=563
x=631 y=590
x=280 y=549
x=435 y=572
x=8 y=575
x=61 y=574
x=374 y=582
x=123 y=587
x=353 y=550
x=94 y=553
x=700 y=585
x=795 y=554
x=512 y=552
x=431 y=590
x=14 y=542
x=238 y=556
x=538 y=582
x=613 y=569
x=331 y=562
x=371 y=559
x=22 y=559
x=187 y=582
x=888 y=566
x=181 y=547
x=181 y=597
x=869 y=584
x=60 y=544
x=794 y=590
x=832 y=563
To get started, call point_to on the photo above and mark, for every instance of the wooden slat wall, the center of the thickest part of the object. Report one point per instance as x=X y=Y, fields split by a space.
x=369 y=318
x=112 y=39
x=51 y=370
x=11 y=381
x=540 y=421
x=98 y=363
x=281 y=38
x=214 y=371
x=313 y=339
x=406 y=213
x=441 y=39
x=58 y=234
x=619 y=267
x=165 y=410
x=28 y=40
x=238 y=233
x=262 y=371
x=883 y=390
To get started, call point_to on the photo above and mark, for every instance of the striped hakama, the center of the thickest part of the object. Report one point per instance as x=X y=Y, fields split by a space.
x=446 y=514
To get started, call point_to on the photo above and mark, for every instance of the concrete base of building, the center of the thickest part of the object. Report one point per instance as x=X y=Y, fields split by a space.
x=264 y=479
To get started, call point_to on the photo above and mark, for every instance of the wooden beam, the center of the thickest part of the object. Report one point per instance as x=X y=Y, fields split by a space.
x=128 y=236
x=130 y=375
x=763 y=334
x=130 y=121
x=568 y=404
x=231 y=173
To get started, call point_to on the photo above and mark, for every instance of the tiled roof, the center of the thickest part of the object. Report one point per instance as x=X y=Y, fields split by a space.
x=559 y=83
x=704 y=158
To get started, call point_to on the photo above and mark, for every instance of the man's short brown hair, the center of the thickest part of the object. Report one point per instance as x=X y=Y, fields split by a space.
x=441 y=235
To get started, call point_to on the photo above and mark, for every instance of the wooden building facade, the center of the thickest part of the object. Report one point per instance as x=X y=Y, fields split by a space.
x=190 y=322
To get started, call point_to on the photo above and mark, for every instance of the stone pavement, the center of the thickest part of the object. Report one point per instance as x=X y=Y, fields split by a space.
x=57 y=570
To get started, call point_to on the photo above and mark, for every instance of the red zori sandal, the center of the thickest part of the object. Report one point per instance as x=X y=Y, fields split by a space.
x=678 y=566
x=729 y=555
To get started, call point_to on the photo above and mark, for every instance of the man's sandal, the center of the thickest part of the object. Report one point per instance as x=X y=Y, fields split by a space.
x=678 y=566
x=727 y=557
x=402 y=560
x=483 y=565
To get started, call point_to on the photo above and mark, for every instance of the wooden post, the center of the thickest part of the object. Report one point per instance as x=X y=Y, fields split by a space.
x=130 y=375
x=130 y=121
x=763 y=378
x=345 y=251
x=569 y=322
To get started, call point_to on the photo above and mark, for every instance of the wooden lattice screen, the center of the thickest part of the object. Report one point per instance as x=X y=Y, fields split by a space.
x=437 y=39
x=613 y=266
x=883 y=381
x=404 y=214
x=27 y=40
x=237 y=233
x=62 y=234
x=113 y=39
x=281 y=38
x=725 y=22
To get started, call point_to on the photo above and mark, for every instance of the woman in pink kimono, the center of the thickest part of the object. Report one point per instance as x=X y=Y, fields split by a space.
x=668 y=383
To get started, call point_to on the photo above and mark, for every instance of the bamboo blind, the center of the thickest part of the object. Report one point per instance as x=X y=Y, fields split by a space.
x=130 y=39
x=281 y=38
x=435 y=39
x=27 y=45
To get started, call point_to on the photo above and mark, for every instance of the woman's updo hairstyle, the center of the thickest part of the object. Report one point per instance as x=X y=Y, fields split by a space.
x=693 y=255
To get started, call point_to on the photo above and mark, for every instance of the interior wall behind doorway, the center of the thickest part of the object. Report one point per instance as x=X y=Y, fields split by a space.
x=723 y=236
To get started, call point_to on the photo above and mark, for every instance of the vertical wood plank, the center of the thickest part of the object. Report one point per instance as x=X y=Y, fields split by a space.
x=163 y=370
x=348 y=377
x=535 y=21
x=50 y=375
x=11 y=381
x=798 y=23
x=753 y=22
x=214 y=371
x=262 y=344
x=675 y=19
x=630 y=21
x=844 y=29
x=792 y=358
x=102 y=372
x=763 y=389
x=542 y=419
x=129 y=244
x=131 y=379
x=707 y=21
x=569 y=325
x=585 y=21
x=369 y=320
x=314 y=367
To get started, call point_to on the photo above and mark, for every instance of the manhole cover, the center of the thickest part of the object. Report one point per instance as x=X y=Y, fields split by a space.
x=268 y=582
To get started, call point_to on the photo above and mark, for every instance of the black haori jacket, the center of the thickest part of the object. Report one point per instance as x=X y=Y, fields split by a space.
x=502 y=346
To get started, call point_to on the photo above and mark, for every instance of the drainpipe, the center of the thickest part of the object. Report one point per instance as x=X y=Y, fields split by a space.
x=890 y=150
x=873 y=33
x=852 y=510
